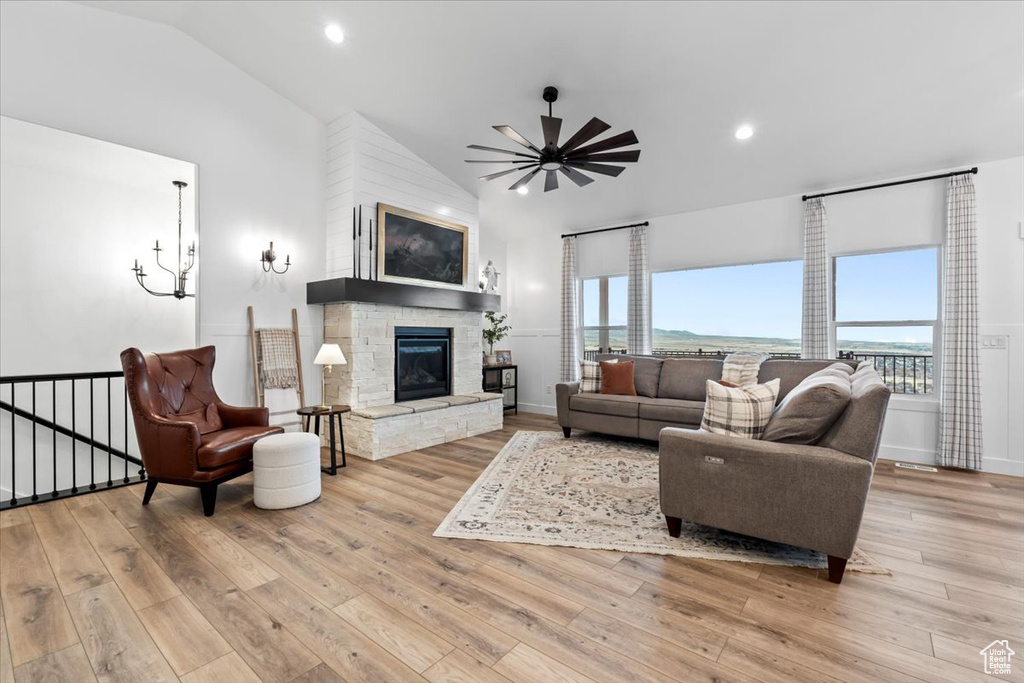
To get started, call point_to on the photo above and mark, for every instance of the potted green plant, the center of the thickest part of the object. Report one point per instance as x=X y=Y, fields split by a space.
x=494 y=331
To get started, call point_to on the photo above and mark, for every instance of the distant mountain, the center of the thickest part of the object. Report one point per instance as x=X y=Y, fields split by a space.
x=685 y=340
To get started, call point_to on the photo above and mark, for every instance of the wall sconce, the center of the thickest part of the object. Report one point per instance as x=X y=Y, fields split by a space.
x=267 y=258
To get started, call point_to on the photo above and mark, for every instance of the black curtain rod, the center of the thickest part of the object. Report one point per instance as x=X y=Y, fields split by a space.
x=970 y=171
x=591 y=232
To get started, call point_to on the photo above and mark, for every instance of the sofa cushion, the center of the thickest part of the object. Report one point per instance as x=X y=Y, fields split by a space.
x=672 y=410
x=605 y=404
x=217 y=449
x=811 y=408
x=792 y=372
x=859 y=428
x=646 y=374
x=617 y=378
x=685 y=378
x=739 y=411
x=590 y=377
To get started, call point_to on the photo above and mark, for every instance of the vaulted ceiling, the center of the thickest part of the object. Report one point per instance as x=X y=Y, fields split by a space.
x=837 y=92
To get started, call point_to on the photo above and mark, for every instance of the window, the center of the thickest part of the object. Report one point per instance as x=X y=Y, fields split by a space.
x=710 y=311
x=885 y=310
x=604 y=314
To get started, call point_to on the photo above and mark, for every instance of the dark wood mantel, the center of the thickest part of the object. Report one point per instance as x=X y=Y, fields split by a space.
x=351 y=290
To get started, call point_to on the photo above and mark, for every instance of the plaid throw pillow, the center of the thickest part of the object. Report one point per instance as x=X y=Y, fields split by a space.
x=739 y=411
x=590 y=376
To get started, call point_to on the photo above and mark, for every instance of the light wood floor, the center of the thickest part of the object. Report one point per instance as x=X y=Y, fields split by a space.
x=355 y=588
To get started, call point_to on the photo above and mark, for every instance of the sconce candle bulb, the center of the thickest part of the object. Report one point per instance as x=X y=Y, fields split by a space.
x=267 y=258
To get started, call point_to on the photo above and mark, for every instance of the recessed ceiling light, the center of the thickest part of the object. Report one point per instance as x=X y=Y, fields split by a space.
x=744 y=132
x=334 y=33
x=523 y=190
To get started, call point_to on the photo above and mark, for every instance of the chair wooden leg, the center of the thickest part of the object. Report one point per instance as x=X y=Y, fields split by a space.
x=567 y=431
x=150 y=488
x=208 y=492
x=836 y=567
x=675 y=526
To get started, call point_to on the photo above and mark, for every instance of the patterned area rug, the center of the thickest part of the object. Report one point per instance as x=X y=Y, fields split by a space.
x=591 y=492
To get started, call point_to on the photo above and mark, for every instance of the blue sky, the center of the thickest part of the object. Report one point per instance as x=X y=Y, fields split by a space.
x=763 y=300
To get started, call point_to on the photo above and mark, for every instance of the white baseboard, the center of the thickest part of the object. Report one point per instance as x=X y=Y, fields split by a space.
x=926 y=457
x=538 y=409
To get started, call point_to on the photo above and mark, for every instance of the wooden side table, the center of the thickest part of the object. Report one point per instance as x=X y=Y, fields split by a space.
x=316 y=413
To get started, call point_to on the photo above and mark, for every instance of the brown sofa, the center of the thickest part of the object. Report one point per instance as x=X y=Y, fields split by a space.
x=671 y=393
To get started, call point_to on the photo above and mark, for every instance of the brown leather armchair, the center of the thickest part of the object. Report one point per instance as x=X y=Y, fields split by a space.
x=187 y=435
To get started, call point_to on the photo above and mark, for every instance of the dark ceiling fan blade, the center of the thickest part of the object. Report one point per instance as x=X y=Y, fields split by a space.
x=620 y=140
x=492 y=176
x=525 y=179
x=632 y=155
x=528 y=160
x=495 y=149
x=589 y=131
x=551 y=127
x=551 y=181
x=575 y=176
x=603 y=169
x=508 y=132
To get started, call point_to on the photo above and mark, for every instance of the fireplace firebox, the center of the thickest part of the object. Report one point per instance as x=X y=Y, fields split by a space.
x=422 y=362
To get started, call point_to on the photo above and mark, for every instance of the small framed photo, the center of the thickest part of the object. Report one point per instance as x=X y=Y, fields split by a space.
x=504 y=357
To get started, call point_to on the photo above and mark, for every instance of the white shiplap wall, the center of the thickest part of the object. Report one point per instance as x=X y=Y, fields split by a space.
x=365 y=166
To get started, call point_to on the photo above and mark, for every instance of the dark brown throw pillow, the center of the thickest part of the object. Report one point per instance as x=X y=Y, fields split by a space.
x=727 y=384
x=207 y=419
x=617 y=378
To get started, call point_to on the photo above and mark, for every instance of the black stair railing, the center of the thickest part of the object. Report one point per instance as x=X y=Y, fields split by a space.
x=121 y=467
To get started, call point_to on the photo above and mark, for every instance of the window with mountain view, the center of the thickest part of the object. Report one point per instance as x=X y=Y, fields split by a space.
x=886 y=311
x=753 y=307
x=604 y=314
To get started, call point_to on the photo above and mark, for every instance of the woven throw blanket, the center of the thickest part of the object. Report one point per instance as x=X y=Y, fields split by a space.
x=278 y=367
x=741 y=368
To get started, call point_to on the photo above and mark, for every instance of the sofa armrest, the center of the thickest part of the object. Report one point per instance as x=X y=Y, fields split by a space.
x=237 y=416
x=807 y=496
x=563 y=391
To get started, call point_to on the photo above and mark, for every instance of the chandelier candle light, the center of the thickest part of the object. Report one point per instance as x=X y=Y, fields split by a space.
x=329 y=355
x=267 y=258
x=181 y=276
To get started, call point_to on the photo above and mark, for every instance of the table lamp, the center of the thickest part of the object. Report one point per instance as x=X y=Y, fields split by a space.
x=329 y=355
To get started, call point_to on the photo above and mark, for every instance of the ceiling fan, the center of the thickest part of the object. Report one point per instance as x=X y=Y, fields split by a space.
x=571 y=158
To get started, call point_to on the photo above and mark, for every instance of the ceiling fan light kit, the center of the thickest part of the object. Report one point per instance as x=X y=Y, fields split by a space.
x=570 y=159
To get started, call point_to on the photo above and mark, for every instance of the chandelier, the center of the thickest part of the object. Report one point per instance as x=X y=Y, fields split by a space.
x=181 y=276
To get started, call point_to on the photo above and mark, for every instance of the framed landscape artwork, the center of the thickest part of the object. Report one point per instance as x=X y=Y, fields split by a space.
x=422 y=250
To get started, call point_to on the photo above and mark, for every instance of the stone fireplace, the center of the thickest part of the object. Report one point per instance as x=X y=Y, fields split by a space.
x=413 y=376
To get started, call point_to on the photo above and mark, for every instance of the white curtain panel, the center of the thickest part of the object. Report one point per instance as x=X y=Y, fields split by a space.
x=571 y=334
x=817 y=282
x=638 y=304
x=960 y=401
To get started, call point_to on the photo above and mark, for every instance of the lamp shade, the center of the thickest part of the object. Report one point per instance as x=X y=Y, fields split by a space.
x=330 y=354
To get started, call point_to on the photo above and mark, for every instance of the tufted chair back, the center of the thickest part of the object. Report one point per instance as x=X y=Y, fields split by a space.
x=178 y=382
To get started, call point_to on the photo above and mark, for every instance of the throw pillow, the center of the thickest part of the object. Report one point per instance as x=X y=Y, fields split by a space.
x=617 y=378
x=811 y=408
x=739 y=411
x=207 y=419
x=646 y=375
x=590 y=376
x=741 y=368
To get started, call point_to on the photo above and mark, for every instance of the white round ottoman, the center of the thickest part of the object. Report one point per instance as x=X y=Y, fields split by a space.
x=286 y=470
